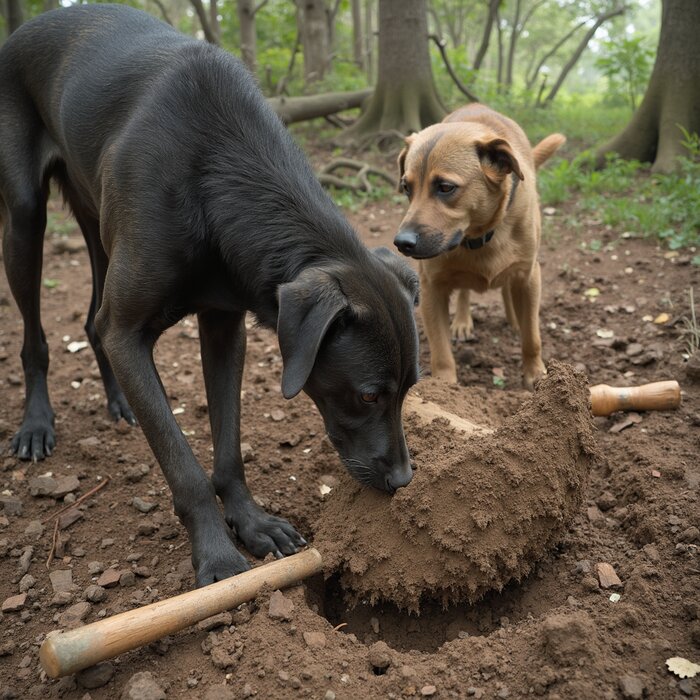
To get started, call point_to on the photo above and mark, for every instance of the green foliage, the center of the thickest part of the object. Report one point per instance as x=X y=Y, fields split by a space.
x=626 y=196
x=627 y=65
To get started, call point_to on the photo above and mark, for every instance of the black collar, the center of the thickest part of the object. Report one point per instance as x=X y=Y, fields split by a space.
x=474 y=243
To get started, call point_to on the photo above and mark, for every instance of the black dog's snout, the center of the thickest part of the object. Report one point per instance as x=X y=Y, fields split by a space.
x=398 y=478
x=406 y=241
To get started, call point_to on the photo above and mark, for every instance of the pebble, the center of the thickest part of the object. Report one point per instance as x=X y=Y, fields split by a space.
x=428 y=690
x=68 y=518
x=607 y=576
x=95 y=567
x=61 y=580
x=61 y=598
x=14 y=603
x=26 y=582
x=35 y=529
x=74 y=615
x=95 y=676
x=142 y=686
x=109 y=578
x=12 y=505
x=25 y=559
x=95 y=594
x=143 y=506
x=107 y=542
x=691 y=534
x=65 y=485
x=280 y=607
x=247 y=452
x=42 y=486
x=315 y=640
x=631 y=687
x=127 y=579
x=330 y=695
x=137 y=472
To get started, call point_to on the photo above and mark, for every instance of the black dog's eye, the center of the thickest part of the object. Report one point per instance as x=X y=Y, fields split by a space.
x=369 y=397
x=445 y=188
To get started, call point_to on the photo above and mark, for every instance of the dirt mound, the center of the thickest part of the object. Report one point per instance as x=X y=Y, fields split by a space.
x=478 y=513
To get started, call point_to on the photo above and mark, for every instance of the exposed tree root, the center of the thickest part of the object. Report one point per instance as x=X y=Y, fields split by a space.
x=360 y=182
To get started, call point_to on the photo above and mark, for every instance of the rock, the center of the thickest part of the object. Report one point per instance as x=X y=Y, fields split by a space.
x=127 y=579
x=247 y=452
x=142 y=686
x=70 y=245
x=692 y=367
x=143 y=506
x=379 y=655
x=690 y=535
x=26 y=582
x=330 y=695
x=136 y=473
x=95 y=676
x=95 y=594
x=223 y=619
x=277 y=415
x=606 y=501
x=315 y=640
x=61 y=598
x=4 y=522
x=631 y=686
x=65 y=485
x=107 y=542
x=634 y=349
x=14 y=603
x=686 y=687
x=280 y=607
x=61 y=580
x=607 y=576
x=35 y=529
x=95 y=567
x=25 y=560
x=428 y=690
x=73 y=616
x=42 y=486
x=12 y=505
x=68 y=518
x=568 y=637
x=7 y=648
x=109 y=578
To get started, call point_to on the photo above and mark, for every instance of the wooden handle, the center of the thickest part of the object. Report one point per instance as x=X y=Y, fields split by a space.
x=659 y=396
x=71 y=651
x=427 y=411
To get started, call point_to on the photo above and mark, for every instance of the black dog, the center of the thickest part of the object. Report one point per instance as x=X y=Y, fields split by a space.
x=193 y=198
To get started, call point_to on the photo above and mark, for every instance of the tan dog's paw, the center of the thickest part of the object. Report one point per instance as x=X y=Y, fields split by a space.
x=447 y=374
x=462 y=330
x=532 y=372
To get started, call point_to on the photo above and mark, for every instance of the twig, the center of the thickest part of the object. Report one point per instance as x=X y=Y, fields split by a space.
x=78 y=501
x=54 y=541
x=460 y=85
x=340 y=626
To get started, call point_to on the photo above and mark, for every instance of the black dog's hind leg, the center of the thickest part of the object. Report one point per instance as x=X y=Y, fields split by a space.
x=223 y=342
x=117 y=405
x=25 y=223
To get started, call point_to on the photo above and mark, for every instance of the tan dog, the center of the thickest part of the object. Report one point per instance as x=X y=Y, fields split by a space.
x=474 y=223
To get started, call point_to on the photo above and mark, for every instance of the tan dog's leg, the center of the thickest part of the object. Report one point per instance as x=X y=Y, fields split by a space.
x=462 y=324
x=508 y=304
x=434 y=307
x=525 y=293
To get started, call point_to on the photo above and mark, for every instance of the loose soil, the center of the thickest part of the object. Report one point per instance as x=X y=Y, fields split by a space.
x=555 y=632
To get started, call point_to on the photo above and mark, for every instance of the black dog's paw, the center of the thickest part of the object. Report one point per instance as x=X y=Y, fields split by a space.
x=118 y=408
x=34 y=440
x=217 y=565
x=262 y=533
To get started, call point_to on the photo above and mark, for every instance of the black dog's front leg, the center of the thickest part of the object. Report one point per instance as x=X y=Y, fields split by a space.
x=223 y=343
x=131 y=355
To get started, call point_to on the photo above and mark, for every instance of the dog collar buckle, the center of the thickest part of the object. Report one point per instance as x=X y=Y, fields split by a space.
x=474 y=243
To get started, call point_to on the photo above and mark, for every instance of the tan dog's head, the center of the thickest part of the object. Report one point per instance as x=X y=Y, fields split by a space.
x=456 y=178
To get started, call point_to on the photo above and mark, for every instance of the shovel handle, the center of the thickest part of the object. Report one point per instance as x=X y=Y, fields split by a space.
x=658 y=396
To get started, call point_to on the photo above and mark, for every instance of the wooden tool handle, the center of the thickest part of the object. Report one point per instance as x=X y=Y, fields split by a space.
x=79 y=648
x=659 y=396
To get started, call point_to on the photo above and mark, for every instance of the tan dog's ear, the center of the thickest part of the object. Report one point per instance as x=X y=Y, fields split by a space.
x=498 y=160
x=402 y=160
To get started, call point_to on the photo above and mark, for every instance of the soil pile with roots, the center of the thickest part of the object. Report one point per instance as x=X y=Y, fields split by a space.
x=480 y=511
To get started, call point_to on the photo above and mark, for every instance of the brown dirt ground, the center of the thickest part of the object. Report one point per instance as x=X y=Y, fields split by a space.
x=555 y=634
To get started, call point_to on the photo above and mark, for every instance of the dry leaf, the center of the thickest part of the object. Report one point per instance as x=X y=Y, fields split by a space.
x=592 y=292
x=662 y=318
x=682 y=667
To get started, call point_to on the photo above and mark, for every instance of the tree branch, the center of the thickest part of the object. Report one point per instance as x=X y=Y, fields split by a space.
x=159 y=4
x=486 y=37
x=259 y=7
x=462 y=88
x=533 y=77
x=204 y=21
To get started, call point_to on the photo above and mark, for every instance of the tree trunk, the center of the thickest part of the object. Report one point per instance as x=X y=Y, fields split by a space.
x=369 y=40
x=50 y=5
x=203 y=17
x=357 y=38
x=14 y=16
x=297 y=109
x=214 y=21
x=246 y=22
x=672 y=97
x=580 y=49
x=405 y=98
x=514 y=34
x=499 y=33
x=486 y=38
x=313 y=29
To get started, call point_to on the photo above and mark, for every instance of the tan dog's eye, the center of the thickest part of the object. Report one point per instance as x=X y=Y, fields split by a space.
x=368 y=397
x=446 y=188
x=405 y=187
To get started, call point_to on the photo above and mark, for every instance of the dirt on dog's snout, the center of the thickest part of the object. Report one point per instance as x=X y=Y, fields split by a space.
x=479 y=512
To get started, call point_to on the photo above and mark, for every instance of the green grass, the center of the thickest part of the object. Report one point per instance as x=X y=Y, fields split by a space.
x=627 y=197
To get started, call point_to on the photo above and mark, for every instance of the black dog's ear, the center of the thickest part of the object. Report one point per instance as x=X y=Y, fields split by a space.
x=406 y=274
x=307 y=307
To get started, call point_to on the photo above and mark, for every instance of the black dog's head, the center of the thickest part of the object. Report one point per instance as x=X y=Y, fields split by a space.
x=348 y=338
